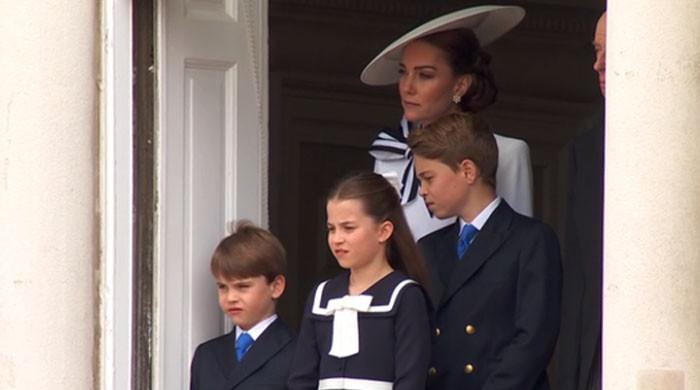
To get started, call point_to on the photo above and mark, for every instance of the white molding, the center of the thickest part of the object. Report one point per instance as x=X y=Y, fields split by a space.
x=116 y=195
x=158 y=363
x=264 y=87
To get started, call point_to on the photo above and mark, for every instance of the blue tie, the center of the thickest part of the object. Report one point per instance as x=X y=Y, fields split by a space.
x=465 y=239
x=243 y=344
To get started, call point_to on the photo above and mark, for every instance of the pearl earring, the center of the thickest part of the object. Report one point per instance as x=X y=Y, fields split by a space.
x=456 y=99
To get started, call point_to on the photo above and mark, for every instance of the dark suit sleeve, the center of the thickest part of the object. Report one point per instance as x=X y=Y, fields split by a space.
x=566 y=356
x=538 y=303
x=305 y=366
x=194 y=370
x=412 y=329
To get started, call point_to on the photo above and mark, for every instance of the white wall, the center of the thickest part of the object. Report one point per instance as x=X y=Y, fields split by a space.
x=652 y=197
x=48 y=193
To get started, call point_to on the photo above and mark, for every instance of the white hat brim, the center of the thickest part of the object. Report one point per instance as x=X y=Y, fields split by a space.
x=488 y=22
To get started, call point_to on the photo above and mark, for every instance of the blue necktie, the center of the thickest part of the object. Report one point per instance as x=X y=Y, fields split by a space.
x=243 y=344
x=465 y=239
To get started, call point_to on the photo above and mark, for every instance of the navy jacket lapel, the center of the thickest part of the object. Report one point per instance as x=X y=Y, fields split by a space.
x=444 y=262
x=226 y=354
x=271 y=341
x=489 y=239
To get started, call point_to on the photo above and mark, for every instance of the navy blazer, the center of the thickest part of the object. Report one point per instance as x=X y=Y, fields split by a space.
x=264 y=367
x=497 y=308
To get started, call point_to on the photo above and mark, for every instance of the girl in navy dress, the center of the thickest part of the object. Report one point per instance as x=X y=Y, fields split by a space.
x=369 y=327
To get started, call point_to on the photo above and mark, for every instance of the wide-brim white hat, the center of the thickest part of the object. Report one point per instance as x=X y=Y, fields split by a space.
x=487 y=21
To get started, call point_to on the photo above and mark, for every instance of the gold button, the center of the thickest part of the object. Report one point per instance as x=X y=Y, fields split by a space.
x=469 y=368
x=432 y=371
x=437 y=331
x=470 y=329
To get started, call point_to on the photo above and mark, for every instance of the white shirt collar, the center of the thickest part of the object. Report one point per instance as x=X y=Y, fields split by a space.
x=258 y=329
x=483 y=216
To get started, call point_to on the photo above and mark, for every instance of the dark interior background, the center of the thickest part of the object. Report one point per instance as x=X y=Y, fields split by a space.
x=322 y=118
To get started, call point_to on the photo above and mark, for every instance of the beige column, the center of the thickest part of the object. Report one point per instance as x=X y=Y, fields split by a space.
x=651 y=322
x=48 y=193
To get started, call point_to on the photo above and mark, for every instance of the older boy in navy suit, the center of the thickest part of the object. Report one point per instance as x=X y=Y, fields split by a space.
x=249 y=268
x=496 y=274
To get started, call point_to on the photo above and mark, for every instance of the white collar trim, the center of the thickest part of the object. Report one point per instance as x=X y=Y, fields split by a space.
x=325 y=311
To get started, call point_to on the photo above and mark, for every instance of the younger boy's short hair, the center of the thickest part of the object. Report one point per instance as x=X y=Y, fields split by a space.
x=249 y=252
x=456 y=137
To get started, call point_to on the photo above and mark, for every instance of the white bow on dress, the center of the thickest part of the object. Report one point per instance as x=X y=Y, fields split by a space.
x=346 y=338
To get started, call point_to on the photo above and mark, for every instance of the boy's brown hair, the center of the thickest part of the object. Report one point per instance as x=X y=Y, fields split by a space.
x=456 y=137
x=250 y=251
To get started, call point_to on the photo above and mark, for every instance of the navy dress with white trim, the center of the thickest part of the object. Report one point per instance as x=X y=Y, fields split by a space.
x=394 y=337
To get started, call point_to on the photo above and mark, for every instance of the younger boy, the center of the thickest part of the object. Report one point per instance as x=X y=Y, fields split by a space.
x=249 y=268
x=496 y=274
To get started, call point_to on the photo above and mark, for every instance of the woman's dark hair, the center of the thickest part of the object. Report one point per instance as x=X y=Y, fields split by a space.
x=466 y=56
x=380 y=201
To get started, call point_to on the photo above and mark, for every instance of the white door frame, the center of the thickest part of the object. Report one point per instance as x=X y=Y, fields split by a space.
x=117 y=176
x=116 y=192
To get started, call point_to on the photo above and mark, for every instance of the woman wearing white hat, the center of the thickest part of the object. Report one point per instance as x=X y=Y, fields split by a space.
x=440 y=66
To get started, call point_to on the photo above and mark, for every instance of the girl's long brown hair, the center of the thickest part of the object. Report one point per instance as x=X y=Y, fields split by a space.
x=380 y=201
